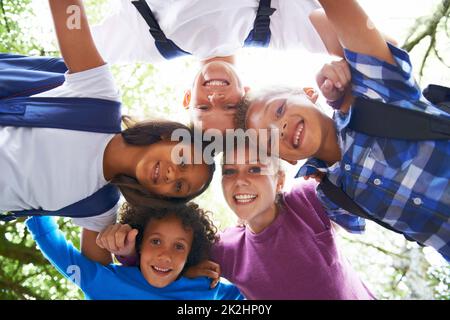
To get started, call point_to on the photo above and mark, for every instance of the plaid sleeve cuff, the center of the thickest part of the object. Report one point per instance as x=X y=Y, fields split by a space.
x=377 y=79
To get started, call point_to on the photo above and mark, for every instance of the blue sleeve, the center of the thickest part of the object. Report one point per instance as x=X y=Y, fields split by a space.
x=62 y=255
x=228 y=291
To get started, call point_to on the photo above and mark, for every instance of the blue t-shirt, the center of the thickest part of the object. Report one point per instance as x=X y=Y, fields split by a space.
x=115 y=282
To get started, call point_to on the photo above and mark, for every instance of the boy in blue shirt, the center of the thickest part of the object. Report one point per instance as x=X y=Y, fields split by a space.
x=168 y=242
x=401 y=184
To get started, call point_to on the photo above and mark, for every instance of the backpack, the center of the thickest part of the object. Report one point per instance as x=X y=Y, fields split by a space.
x=383 y=120
x=23 y=76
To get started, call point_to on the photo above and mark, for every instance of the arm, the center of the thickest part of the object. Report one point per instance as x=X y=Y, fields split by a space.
x=91 y=250
x=354 y=29
x=61 y=254
x=74 y=36
x=326 y=31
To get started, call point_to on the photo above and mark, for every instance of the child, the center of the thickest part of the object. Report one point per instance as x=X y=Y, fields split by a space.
x=212 y=30
x=286 y=250
x=168 y=242
x=50 y=169
x=402 y=184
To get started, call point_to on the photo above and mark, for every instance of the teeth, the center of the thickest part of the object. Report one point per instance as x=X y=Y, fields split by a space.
x=220 y=83
x=298 y=133
x=161 y=269
x=156 y=174
x=244 y=198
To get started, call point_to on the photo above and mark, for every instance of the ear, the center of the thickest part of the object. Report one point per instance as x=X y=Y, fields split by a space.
x=312 y=94
x=187 y=99
x=281 y=179
x=246 y=89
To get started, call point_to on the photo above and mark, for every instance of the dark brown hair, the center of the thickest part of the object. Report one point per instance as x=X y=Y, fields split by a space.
x=191 y=216
x=146 y=133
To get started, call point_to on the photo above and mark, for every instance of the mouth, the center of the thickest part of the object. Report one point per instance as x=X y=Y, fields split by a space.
x=155 y=175
x=215 y=83
x=298 y=134
x=161 y=271
x=244 y=198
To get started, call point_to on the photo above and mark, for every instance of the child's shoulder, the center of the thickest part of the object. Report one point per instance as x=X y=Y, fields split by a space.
x=302 y=192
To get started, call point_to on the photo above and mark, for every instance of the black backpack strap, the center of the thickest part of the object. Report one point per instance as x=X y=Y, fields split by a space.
x=383 y=120
x=99 y=202
x=166 y=47
x=260 y=34
x=438 y=95
x=342 y=200
x=81 y=114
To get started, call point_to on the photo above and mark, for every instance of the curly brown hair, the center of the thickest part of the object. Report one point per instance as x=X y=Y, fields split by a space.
x=191 y=216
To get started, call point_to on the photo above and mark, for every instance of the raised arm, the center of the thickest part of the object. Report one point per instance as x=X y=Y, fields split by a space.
x=61 y=254
x=74 y=36
x=354 y=29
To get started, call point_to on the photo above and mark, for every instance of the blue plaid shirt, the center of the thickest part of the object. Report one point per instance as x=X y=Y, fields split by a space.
x=402 y=183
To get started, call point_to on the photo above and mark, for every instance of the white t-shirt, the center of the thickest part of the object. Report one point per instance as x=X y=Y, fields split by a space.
x=53 y=168
x=205 y=28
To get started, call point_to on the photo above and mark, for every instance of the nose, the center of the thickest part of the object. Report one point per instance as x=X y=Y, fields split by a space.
x=171 y=174
x=283 y=129
x=164 y=255
x=241 y=180
x=215 y=98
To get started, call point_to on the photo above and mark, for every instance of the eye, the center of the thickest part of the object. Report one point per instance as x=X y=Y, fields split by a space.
x=202 y=107
x=227 y=172
x=280 y=110
x=230 y=107
x=254 y=170
x=155 y=241
x=179 y=247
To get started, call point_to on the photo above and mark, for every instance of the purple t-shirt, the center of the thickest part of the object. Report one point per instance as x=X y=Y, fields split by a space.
x=294 y=258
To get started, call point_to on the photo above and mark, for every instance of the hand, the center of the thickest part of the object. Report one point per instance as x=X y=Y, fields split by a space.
x=119 y=239
x=205 y=268
x=334 y=79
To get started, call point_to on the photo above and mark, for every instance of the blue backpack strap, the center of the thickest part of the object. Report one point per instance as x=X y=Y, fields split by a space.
x=260 y=35
x=21 y=76
x=81 y=114
x=99 y=202
x=25 y=76
x=166 y=47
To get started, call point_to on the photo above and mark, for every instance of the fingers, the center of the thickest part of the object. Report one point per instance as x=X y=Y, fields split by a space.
x=214 y=283
x=333 y=79
x=117 y=238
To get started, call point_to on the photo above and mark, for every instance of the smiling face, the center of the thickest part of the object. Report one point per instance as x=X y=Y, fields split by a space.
x=157 y=172
x=215 y=93
x=164 y=250
x=302 y=125
x=250 y=191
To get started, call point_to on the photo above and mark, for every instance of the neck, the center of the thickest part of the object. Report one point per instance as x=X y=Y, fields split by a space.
x=114 y=161
x=229 y=59
x=263 y=220
x=329 y=150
